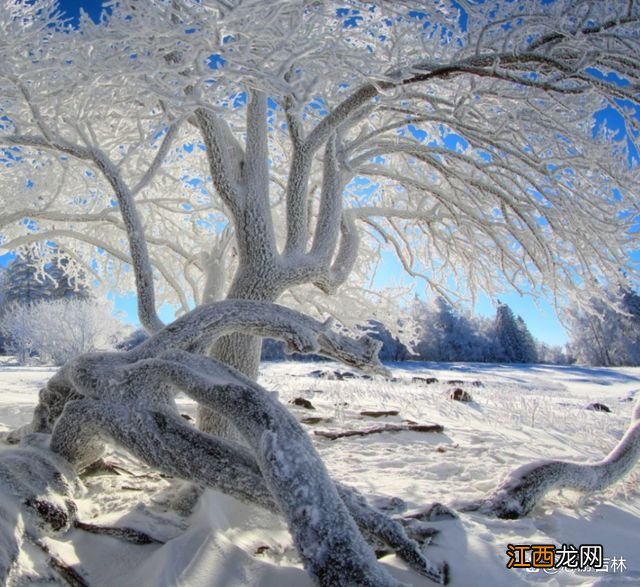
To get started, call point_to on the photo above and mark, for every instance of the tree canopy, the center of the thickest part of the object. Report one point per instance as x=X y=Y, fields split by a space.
x=229 y=148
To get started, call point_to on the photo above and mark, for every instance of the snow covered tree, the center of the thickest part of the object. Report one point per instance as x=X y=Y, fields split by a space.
x=446 y=335
x=18 y=331
x=607 y=334
x=392 y=349
x=21 y=285
x=29 y=279
x=529 y=349
x=553 y=354
x=271 y=151
x=514 y=343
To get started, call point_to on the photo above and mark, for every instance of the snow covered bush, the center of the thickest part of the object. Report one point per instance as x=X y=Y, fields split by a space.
x=18 y=331
x=59 y=330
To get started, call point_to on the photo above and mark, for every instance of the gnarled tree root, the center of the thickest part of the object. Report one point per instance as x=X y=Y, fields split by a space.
x=128 y=397
x=167 y=443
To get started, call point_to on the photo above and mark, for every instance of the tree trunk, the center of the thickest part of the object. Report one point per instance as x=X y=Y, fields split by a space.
x=240 y=351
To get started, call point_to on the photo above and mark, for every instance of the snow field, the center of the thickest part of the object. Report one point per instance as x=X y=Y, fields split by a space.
x=519 y=414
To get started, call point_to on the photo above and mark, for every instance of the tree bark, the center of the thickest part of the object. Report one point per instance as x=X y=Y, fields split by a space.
x=240 y=351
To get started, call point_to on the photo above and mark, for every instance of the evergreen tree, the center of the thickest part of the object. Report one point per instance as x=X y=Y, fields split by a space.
x=26 y=283
x=528 y=344
x=21 y=284
x=392 y=349
x=630 y=327
x=514 y=343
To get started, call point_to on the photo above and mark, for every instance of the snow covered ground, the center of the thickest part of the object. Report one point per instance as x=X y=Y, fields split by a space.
x=518 y=414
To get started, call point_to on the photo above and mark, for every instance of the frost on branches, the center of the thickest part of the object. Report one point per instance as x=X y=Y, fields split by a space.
x=273 y=151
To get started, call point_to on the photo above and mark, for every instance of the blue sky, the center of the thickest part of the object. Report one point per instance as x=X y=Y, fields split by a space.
x=540 y=317
x=72 y=8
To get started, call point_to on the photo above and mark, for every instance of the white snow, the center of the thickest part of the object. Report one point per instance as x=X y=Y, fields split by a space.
x=520 y=414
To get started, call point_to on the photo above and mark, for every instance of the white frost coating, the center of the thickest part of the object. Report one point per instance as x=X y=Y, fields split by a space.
x=523 y=488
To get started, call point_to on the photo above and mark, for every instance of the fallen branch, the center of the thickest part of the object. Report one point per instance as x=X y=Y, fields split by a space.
x=123 y=533
x=404 y=427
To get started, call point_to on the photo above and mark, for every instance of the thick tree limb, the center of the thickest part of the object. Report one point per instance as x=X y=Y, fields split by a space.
x=138 y=248
x=164 y=441
x=302 y=334
x=324 y=533
x=327 y=228
x=225 y=156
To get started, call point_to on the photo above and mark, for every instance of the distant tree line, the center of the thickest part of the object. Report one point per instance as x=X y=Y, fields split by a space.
x=447 y=335
x=605 y=333
x=444 y=334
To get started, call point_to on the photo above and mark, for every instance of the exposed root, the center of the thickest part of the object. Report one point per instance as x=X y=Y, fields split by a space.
x=524 y=487
x=127 y=534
